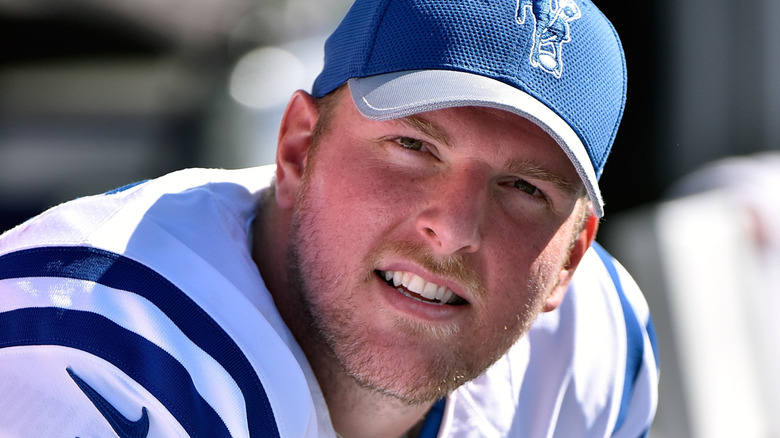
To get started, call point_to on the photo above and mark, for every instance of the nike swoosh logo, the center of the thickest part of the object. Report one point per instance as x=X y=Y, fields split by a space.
x=123 y=427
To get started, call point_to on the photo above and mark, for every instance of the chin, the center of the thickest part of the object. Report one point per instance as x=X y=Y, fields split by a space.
x=413 y=369
x=411 y=386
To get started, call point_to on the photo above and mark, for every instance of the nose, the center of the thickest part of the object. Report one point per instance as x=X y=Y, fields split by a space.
x=452 y=219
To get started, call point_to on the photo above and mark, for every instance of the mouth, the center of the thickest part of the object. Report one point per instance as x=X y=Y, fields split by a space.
x=416 y=288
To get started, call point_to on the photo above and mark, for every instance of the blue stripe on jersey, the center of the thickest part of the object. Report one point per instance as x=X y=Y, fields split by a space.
x=430 y=428
x=125 y=187
x=122 y=273
x=653 y=342
x=634 y=339
x=166 y=379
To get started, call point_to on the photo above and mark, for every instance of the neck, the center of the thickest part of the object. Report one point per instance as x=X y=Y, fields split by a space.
x=355 y=411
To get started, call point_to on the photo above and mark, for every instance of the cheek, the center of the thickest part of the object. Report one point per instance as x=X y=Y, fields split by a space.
x=344 y=214
x=525 y=273
x=367 y=193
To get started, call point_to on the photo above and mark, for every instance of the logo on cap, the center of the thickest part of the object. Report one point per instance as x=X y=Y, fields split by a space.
x=551 y=30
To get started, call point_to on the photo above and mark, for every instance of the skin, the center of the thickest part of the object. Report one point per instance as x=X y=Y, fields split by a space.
x=475 y=199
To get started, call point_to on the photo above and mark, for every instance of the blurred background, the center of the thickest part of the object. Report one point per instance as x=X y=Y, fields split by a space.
x=95 y=94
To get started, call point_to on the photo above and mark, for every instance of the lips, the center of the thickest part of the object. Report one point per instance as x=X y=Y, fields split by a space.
x=415 y=287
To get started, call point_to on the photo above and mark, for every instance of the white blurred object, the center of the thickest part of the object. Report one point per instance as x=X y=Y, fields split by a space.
x=749 y=187
x=244 y=126
x=266 y=77
x=708 y=260
x=753 y=183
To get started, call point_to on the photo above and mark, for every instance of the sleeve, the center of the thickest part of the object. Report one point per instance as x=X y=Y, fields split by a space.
x=639 y=396
x=95 y=344
x=126 y=314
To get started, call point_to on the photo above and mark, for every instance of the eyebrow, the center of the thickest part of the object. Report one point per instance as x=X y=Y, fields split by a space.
x=419 y=124
x=533 y=170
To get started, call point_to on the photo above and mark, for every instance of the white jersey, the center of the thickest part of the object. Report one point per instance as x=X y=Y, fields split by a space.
x=140 y=312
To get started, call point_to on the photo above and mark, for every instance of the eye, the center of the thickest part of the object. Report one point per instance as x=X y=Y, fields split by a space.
x=411 y=143
x=527 y=187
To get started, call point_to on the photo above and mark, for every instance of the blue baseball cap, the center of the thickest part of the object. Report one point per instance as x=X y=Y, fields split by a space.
x=558 y=63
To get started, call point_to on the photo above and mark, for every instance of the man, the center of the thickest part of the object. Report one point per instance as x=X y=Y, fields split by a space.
x=410 y=271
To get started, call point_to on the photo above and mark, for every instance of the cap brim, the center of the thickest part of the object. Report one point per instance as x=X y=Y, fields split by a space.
x=394 y=95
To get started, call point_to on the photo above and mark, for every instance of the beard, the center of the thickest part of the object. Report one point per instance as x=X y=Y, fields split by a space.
x=410 y=361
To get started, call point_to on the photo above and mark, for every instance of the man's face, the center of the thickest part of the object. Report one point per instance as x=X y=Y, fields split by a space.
x=471 y=206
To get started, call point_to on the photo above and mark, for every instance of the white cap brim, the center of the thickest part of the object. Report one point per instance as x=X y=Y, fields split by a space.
x=394 y=95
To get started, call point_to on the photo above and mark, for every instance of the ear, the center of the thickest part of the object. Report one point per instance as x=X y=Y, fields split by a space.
x=295 y=138
x=583 y=241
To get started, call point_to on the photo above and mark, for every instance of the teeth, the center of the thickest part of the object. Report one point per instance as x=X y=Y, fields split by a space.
x=397 y=280
x=440 y=292
x=429 y=291
x=418 y=285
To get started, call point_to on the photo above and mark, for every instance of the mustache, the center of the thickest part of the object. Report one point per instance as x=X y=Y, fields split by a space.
x=453 y=266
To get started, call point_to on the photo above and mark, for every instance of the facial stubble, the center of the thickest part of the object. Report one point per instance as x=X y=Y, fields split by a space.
x=334 y=328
